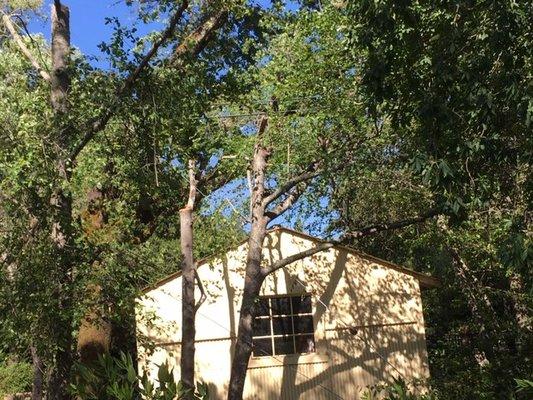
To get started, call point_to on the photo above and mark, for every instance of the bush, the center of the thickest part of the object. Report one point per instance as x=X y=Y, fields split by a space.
x=116 y=379
x=524 y=388
x=398 y=390
x=15 y=377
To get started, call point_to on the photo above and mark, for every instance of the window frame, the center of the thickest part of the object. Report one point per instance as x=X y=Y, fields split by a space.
x=293 y=335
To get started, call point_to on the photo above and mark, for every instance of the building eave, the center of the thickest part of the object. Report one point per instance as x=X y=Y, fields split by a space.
x=426 y=281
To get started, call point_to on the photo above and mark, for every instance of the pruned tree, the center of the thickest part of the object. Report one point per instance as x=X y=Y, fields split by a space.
x=74 y=132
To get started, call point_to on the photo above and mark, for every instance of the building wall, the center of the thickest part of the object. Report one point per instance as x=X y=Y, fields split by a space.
x=368 y=324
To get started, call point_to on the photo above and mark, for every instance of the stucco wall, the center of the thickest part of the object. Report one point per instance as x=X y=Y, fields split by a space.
x=368 y=323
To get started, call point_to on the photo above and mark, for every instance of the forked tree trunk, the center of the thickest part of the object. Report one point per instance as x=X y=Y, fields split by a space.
x=255 y=272
x=188 y=271
x=253 y=275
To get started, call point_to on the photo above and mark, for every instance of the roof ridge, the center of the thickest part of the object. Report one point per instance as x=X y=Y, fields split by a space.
x=427 y=281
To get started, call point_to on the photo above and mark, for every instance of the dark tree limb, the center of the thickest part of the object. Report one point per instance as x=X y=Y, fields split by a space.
x=306 y=176
x=100 y=123
x=373 y=229
x=297 y=257
x=287 y=203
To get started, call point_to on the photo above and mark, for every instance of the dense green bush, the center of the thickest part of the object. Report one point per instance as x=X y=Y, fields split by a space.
x=15 y=377
x=115 y=378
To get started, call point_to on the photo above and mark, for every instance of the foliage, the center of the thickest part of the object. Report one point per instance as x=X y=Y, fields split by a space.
x=398 y=390
x=524 y=387
x=454 y=80
x=115 y=378
x=15 y=376
x=416 y=105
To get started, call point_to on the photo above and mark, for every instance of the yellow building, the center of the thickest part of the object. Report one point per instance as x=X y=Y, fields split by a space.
x=327 y=327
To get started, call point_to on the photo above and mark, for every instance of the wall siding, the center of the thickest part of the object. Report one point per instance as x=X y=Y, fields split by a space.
x=381 y=305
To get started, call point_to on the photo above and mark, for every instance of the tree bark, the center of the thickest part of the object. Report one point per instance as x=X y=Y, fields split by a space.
x=61 y=234
x=188 y=270
x=60 y=78
x=521 y=309
x=38 y=368
x=94 y=335
x=243 y=346
x=253 y=276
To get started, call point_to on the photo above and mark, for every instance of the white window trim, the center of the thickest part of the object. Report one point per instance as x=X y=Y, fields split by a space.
x=289 y=357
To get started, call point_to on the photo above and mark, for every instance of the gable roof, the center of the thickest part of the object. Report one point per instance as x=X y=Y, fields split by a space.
x=426 y=281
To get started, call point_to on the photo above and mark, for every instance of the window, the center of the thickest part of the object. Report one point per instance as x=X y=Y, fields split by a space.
x=283 y=325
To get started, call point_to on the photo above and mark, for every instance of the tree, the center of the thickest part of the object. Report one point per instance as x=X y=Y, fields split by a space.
x=84 y=102
x=453 y=79
x=317 y=134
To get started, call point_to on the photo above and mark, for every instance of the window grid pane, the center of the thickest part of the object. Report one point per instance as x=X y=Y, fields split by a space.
x=290 y=320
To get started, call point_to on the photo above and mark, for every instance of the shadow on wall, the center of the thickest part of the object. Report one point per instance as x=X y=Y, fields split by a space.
x=367 y=321
x=368 y=324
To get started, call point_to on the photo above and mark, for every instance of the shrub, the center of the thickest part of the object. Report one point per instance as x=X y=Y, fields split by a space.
x=524 y=388
x=15 y=377
x=398 y=390
x=116 y=379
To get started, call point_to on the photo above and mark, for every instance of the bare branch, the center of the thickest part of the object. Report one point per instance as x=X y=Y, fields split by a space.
x=373 y=229
x=263 y=123
x=196 y=41
x=298 y=256
x=22 y=46
x=309 y=174
x=287 y=203
x=100 y=123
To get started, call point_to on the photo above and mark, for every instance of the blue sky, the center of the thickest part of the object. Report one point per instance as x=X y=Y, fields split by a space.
x=88 y=30
x=87 y=22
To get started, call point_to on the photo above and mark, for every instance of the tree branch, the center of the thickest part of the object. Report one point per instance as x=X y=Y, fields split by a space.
x=298 y=256
x=309 y=174
x=100 y=123
x=373 y=229
x=196 y=41
x=287 y=203
x=20 y=43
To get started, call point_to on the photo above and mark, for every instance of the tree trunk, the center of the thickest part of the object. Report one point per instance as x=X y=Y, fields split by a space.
x=61 y=234
x=521 y=309
x=94 y=335
x=188 y=273
x=253 y=276
x=60 y=79
x=38 y=368
x=188 y=322
x=243 y=346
